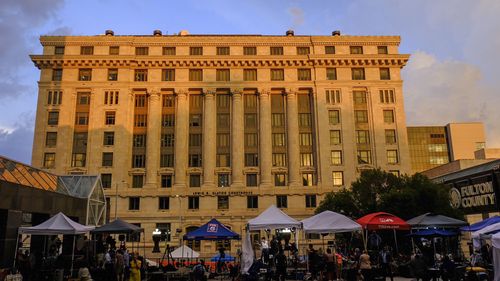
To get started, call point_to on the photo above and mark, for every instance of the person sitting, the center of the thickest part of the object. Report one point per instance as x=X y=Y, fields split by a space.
x=199 y=271
x=14 y=275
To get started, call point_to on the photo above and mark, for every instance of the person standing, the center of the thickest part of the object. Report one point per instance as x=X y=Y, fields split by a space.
x=385 y=262
x=365 y=266
x=264 y=246
x=280 y=266
x=135 y=268
x=312 y=257
x=331 y=265
x=119 y=265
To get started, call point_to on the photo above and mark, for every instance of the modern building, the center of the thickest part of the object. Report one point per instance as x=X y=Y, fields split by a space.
x=183 y=128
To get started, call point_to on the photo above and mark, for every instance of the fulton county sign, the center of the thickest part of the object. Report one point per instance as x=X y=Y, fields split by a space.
x=475 y=195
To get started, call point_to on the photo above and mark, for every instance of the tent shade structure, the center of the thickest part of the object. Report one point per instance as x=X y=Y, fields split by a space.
x=435 y=220
x=479 y=225
x=381 y=220
x=329 y=222
x=117 y=226
x=58 y=224
x=212 y=230
x=490 y=229
x=272 y=218
x=432 y=232
x=495 y=243
x=184 y=252
x=224 y=259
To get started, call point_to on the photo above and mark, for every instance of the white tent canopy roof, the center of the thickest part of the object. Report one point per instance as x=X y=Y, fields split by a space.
x=58 y=224
x=272 y=218
x=329 y=222
x=485 y=230
x=184 y=252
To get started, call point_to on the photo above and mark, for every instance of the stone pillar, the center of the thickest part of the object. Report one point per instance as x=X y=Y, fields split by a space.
x=153 y=139
x=209 y=137
x=293 y=139
x=238 y=141
x=265 y=138
x=181 y=138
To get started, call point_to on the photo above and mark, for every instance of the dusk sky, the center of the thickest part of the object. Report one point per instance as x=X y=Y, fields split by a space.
x=452 y=75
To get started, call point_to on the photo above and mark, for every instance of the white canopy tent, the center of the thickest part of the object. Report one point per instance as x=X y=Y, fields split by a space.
x=483 y=234
x=272 y=218
x=495 y=242
x=329 y=222
x=184 y=252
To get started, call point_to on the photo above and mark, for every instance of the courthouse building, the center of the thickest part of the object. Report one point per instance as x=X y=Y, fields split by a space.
x=183 y=128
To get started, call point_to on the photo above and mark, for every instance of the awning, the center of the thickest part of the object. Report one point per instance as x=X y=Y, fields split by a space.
x=58 y=224
x=329 y=222
x=432 y=232
x=117 y=226
x=272 y=218
x=435 y=220
x=381 y=220
x=212 y=230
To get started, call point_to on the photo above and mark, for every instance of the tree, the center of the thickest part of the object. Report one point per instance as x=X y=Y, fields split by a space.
x=403 y=196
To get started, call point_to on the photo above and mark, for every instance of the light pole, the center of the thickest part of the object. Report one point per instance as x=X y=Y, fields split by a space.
x=179 y=230
x=116 y=199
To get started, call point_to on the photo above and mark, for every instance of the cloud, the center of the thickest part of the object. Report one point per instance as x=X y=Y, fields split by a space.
x=17 y=142
x=297 y=16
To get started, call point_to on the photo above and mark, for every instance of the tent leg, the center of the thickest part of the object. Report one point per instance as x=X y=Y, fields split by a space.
x=396 y=241
x=16 y=249
x=72 y=257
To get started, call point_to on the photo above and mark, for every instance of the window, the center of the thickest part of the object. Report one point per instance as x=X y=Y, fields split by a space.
x=223 y=75
x=382 y=50
x=196 y=51
x=168 y=120
x=223 y=101
x=111 y=97
x=194 y=160
x=386 y=96
x=281 y=201
x=250 y=75
x=279 y=179
x=359 y=97
x=278 y=139
x=438 y=160
x=251 y=179
x=169 y=51
x=222 y=140
x=138 y=161
x=167 y=140
x=252 y=202
x=338 y=178
x=392 y=157
x=168 y=75
x=193 y=202
x=303 y=51
x=139 y=140
x=85 y=74
x=137 y=181
x=86 y=50
x=362 y=137
x=329 y=50
x=305 y=120
x=305 y=139
x=141 y=75
x=304 y=74
x=389 y=116
x=166 y=181
x=390 y=136
x=222 y=202
x=110 y=117
x=334 y=117
x=112 y=74
x=140 y=100
x=394 y=172
x=114 y=50
x=168 y=101
x=51 y=139
x=106 y=180
x=223 y=180
x=311 y=201
x=166 y=160
x=276 y=51
x=194 y=140
x=141 y=51
x=356 y=50
x=279 y=159
x=163 y=203
x=59 y=50
x=49 y=160
x=82 y=118
x=194 y=120
x=83 y=98
x=222 y=51
x=78 y=160
x=335 y=137
x=250 y=120
x=331 y=74
x=109 y=138
x=251 y=159
x=364 y=157
x=222 y=160
x=277 y=75
x=140 y=120
x=361 y=116
x=194 y=180
x=336 y=157
x=307 y=179
x=134 y=203
x=333 y=96
x=250 y=51
x=57 y=74
x=107 y=159
x=278 y=120
x=385 y=74
x=306 y=159
x=358 y=73
x=196 y=75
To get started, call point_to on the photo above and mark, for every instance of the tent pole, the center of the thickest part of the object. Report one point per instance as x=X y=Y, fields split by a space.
x=72 y=257
x=16 y=248
x=396 y=241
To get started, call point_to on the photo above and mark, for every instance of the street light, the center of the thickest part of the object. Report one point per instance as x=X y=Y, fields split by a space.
x=156 y=240
x=179 y=229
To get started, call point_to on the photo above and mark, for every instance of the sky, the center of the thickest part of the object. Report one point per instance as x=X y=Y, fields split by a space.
x=452 y=74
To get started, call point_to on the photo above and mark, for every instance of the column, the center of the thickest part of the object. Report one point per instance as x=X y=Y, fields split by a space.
x=293 y=139
x=265 y=138
x=238 y=142
x=153 y=139
x=181 y=138
x=209 y=137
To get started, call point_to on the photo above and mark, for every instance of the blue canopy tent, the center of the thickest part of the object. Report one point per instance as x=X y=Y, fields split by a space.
x=482 y=224
x=432 y=232
x=224 y=259
x=212 y=230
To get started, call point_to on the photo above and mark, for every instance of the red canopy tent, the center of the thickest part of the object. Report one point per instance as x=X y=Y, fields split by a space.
x=382 y=221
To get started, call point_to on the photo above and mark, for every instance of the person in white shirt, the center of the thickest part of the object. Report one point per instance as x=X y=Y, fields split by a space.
x=264 y=246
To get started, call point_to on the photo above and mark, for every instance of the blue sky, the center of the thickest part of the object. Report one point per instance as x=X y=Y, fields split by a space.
x=452 y=75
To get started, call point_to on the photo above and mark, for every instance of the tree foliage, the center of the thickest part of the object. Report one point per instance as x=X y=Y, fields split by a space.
x=379 y=191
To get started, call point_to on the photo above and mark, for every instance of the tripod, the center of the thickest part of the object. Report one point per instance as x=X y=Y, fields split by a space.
x=167 y=253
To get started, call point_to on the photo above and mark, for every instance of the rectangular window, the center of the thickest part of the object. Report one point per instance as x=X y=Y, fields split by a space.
x=338 y=178
x=305 y=120
x=310 y=201
x=106 y=180
x=281 y=201
x=279 y=159
x=278 y=139
x=356 y=50
x=223 y=140
x=329 y=50
x=382 y=50
x=305 y=139
x=303 y=51
x=134 y=203
x=335 y=137
x=279 y=179
x=331 y=74
x=358 y=73
x=222 y=202
x=86 y=50
x=49 y=160
x=196 y=75
x=336 y=157
x=223 y=160
x=361 y=116
x=250 y=75
x=78 y=160
x=195 y=120
x=138 y=161
x=168 y=75
x=111 y=97
x=251 y=179
x=140 y=100
x=222 y=51
x=304 y=74
x=169 y=51
x=166 y=181
x=251 y=160
x=333 y=96
x=83 y=98
x=359 y=97
x=250 y=120
x=112 y=74
x=163 y=203
x=109 y=138
x=85 y=74
x=390 y=136
x=107 y=159
x=385 y=74
x=249 y=51
x=137 y=181
x=306 y=159
x=51 y=139
x=59 y=50
x=194 y=160
x=193 y=202
x=168 y=101
x=195 y=51
x=141 y=75
x=194 y=140
x=276 y=51
x=167 y=140
x=386 y=96
x=82 y=118
x=166 y=160
x=277 y=74
x=114 y=50
x=140 y=120
x=251 y=140
x=334 y=117
x=57 y=74
x=139 y=140
x=223 y=75
x=110 y=117
x=141 y=51
x=362 y=137
x=252 y=202
x=278 y=120
x=394 y=172
x=307 y=179
x=364 y=157
x=388 y=116
x=223 y=101
x=168 y=120
x=392 y=157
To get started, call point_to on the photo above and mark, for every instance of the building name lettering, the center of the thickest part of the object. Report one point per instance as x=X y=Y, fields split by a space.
x=223 y=193
x=474 y=195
